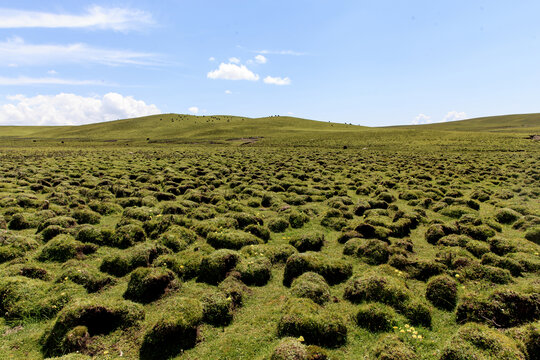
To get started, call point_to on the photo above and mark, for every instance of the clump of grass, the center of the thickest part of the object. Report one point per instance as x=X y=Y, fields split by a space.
x=303 y=317
x=98 y=316
x=311 y=241
x=376 y=317
x=391 y=347
x=333 y=271
x=312 y=286
x=149 y=284
x=478 y=341
x=174 y=332
x=255 y=270
x=442 y=292
x=215 y=266
x=231 y=239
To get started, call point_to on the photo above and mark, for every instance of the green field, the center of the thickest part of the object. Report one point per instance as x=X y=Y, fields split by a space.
x=221 y=237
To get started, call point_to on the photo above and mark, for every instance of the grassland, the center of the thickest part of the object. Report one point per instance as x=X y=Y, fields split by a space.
x=185 y=237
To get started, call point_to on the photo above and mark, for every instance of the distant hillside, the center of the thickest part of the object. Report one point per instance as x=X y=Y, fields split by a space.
x=175 y=126
x=509 y=123
x=190 y=128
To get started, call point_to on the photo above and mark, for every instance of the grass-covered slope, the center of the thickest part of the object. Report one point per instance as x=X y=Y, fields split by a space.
x=174 y=126
x=508 y=123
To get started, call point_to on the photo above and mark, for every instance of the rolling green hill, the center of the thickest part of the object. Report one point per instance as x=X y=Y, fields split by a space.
x=190 y=128
x=175 y=126
x=510 y=123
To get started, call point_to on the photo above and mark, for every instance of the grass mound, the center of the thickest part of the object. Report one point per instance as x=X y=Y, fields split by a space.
x=303 y=317
x=100 y=317
x=312 y=286
x=475 y=341
x=149 y=284
x=333 y=271
x=174 y=332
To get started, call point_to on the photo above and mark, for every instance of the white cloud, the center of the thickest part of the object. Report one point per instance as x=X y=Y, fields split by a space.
x=52 y=72
x=455 y=115
x=232 y=72
x=211 y=58
x=260 y=59
x=97 y=17
x=71 y=109
x=277 y=80
x=17 y=51
x=23 y=80
x=228 y=92
x=422 y=119
x=193 y=110
x=234 y=60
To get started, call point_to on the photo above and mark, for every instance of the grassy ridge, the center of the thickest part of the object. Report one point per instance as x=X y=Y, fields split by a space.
x=174 y=126
x=224 y=127
x=509 y=123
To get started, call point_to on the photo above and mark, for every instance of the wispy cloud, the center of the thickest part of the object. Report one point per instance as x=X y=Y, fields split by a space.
x=277 y=80
x=232 y=72
x=280 y=52
x=17 y=51
x=23 y=80
x=94 y=17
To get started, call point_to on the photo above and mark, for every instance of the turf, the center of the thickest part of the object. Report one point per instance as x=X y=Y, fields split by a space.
x=196 y=217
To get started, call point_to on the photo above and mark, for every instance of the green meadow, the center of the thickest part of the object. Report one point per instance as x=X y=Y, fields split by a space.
x=222 y=237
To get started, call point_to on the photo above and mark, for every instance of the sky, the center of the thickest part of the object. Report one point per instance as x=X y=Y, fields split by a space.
x=373 y=63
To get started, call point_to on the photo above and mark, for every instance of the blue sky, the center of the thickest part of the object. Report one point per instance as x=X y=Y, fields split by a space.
x=372 y=63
